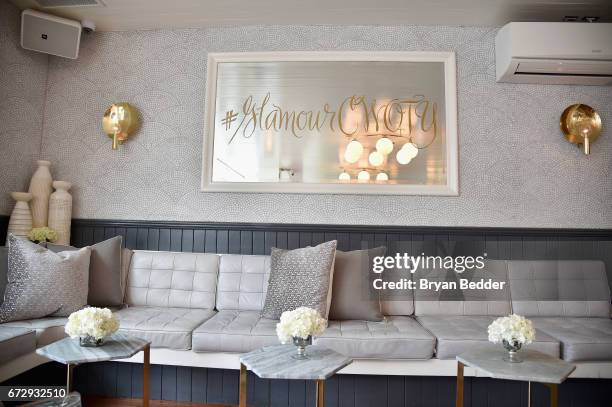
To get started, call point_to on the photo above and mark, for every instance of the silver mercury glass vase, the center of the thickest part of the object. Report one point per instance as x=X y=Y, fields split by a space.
x=301 y=344
x=90 y=342
x=512 y=348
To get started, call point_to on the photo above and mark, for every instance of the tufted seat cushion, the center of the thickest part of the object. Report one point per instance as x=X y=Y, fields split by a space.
x=460 y=333
x=581 y=339
x=165 y=327
x=15 y=342
x=397 y=337
x=48 y=330
x=235 y=331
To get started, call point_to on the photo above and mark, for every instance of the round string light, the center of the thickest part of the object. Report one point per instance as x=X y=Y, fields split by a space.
x=403 y=156
x=412 y=149
x=376 y=158
x=344 y=176
x=384 y=145
x=363 y=176
x=353 y=151
x=382 y=176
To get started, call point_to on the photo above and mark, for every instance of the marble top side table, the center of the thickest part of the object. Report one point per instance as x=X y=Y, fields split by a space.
x=536 y=367
x=118 y=346
x=277 y=362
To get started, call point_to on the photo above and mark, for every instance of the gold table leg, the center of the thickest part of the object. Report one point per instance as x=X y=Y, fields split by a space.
x=528 y=394
x=554 y=394
x=320 y=392
x=69 y=378
x=243 y=386
x=459 y=399
x=146 y=381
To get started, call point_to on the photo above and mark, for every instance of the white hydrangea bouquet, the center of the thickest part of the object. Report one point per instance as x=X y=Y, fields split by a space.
x=513 y=332
x=91 y=325
x=299 y=326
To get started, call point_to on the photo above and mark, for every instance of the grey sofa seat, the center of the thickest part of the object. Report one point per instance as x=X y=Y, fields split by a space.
x=169 y=294
x=567 y=299
x=582 y=339
x=396 y=337
x=460 y=333
x=15 y=342
x=165 y=327
x=235 y=331
x=48 y=330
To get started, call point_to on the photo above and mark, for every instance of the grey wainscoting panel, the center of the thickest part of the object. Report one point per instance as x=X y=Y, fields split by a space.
x=245 y=238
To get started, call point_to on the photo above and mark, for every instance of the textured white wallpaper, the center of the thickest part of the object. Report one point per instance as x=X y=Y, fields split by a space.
x=515 y=167
x=22 y=88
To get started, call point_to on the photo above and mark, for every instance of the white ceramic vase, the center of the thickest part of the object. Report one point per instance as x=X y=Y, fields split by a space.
x=20 y=222
x=60 y=211
x=40 y=187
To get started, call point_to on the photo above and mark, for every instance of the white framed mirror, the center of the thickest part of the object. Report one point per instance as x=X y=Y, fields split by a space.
x=331 y=122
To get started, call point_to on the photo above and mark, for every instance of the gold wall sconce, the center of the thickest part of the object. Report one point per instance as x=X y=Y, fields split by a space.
x=581 y=125
x=119 y=121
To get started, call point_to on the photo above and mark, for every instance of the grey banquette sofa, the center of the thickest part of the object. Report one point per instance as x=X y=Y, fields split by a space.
x=202 y=309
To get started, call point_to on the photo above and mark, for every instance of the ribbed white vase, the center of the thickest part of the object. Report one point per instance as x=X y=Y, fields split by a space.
x=60 y=211
x=40 y=187
x=20 y=222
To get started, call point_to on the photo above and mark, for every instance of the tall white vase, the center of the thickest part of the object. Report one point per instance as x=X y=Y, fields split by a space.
x=40 y=187
x=60 y=211
x=20 y=222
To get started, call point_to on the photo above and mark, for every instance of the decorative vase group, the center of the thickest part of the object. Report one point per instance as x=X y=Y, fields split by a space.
x=20 y=222
x=39 y=207
x=60 y=211
x=40 y=188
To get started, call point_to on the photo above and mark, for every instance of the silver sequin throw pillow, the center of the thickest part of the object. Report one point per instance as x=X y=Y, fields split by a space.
x=42 y=283
x=300 y=278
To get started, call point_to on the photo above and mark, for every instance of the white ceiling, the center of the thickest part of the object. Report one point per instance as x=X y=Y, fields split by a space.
x=122 y=15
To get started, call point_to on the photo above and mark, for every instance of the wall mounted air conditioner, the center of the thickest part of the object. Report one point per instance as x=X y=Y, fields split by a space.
x=554 y=53
x=50 y=34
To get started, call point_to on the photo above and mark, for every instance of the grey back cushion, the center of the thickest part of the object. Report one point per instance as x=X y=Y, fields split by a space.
x=3 y=270
x=300 y=278
x=559 y=288
x=243 y=281
x=466 y=301
x=172 y=279
x=352 y=295
x=42 y=283
x=104 y=272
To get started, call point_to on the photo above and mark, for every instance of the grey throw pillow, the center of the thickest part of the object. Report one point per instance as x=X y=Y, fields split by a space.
x=300 y=278
x=3 y=271
x=42 y=283
x=352 y=296
x=126 y=260
x=105 y=284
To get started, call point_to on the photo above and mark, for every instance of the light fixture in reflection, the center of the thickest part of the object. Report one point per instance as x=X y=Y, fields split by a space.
x=376 y=158
x=344 y=176
x=403 y=157
x=384 y=145
x=407 y=153
x=382 y=177
x=363 y=176
x=353 y=152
